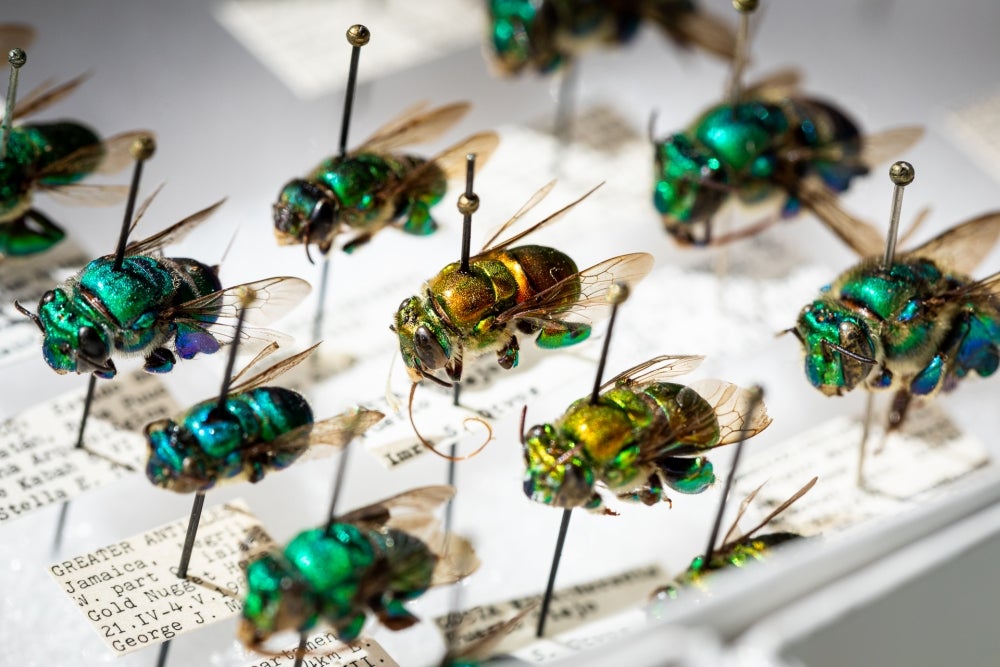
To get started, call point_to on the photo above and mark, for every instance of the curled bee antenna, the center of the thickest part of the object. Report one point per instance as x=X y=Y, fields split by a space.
x=430 y=445
x=847 y=353
x=27 y=313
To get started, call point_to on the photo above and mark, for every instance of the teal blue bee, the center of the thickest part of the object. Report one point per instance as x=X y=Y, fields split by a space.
x=261 y=429
x=376 y=558
x=915 y=327
x=52 y=158
x=374 y=186
x=774 y=143
x=641 y=437
x=153 y=306
x=545 y=35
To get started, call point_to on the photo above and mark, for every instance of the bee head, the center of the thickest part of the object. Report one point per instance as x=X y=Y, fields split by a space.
x=423 y=341
x=171 y=463
x=305 y=213
x=689 y=185
x=275 y=601
x=555 y=473
x=73 y=341
x=520 y=36
x=840 y=351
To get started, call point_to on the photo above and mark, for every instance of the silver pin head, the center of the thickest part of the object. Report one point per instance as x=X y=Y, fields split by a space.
x=17 y=58
x=618 y=293
x=358 y=35
x=143 y=148
x=901 y=173
x=468 y=204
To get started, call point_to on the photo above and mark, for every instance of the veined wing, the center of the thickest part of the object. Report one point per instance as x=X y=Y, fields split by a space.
x=533 y=201
x=105 y=157
x=333 y=434
x=656 y=369
x=268 y=374
x=775 y=86
x=45 y=94
x=416 y=125
x=493 y=244
x=964 y=246
x=775 y=512
x=859 y=235
x=171 y=234
x=419 y=502
x=732 y=406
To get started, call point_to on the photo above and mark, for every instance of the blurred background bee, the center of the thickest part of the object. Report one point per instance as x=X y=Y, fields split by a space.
x=774 y=142
x=375 y=186
x=375 y=558
x=640 y=438
x=259 y=430
x=545 y=35
x=915 y=327
x=508 y=290
x=51 y=158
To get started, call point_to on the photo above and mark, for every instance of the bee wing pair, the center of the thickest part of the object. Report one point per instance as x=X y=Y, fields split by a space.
x=412 y=512
x=730 y=538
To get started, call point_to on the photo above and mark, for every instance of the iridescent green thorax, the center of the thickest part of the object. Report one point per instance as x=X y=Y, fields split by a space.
x=126 y=308
x=545 y=34
x=459 y=310
x=30 y=149
x=902 y=317
x=752 y=151
x=206 y=446
x=623 y=441
x=335 y=576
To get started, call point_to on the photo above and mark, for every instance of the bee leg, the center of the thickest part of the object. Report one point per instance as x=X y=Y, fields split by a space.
x=454 y=368
x=419 y=222
x=897 y=413
x=597 y=506
x=392 y=614
x=508 y=355
x=350 y=628
x=160 y=360
x=650 y=494
x=29 y=234
x=562 y=334
x=356 y=242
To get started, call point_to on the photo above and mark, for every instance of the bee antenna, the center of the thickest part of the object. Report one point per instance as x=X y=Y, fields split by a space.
x=436 y=380
x=27 y=313
x=307 y=243
x=430 y=445
x=524 y=416
x=790 y=330
x=847 y=353
x=651 y=126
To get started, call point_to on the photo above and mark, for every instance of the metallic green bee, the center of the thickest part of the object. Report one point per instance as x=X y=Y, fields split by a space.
x=642 y=436
x=50 y=158
x=373 y=186
x=150 y=305
x=734 y=551
x=775 y=142
x=548 y=34
x=916 y=327
x=375 y=558
x=508 y=290
x=261 y=429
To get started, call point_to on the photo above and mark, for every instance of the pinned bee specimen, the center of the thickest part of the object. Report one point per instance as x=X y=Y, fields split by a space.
x=914 y=323
x=259 y=430
x=734 y=551
x=375 y=186
x=546 y=35
x=151 y=305
x=48 y=158
x=767 y=141
x=373 y=559
x=641 y=437
x=508 y=291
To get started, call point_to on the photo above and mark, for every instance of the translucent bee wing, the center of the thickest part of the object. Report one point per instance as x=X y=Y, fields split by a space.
x=205 y=323
x=457 y=559
x=268 y=374
x=414 y=126
x=332 y=434
x=656 y=369
x=16 y=36
x=732 y=406
x=45 y=94
x=493 y=244
x=696 y=27
x=86 y=194
x=964 y=246
x=859 y=235
x=775 y=512
x=484 y=647
x=744 y=504
x=582 y=295
x=888 y=144
x=264 y=352
x=143 y=207
x=393 y=511
x=775 y=86
x=171 y=234
x=111 y=156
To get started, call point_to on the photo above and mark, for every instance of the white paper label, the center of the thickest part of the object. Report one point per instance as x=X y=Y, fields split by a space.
x=914 y=464
x=303 y=42
x=39 y=465
x=130 y=592
x=325 y=650
x=570 y=607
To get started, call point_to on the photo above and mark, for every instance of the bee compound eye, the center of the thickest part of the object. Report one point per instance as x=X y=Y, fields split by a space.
x=428 y=348
x=91 y=344
x=48 y=297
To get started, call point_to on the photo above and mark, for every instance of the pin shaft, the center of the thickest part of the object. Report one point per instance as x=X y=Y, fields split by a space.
x=466 y=204
x=16 y=57
x=357 y=36
x=556 y=557
x=192 y=531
